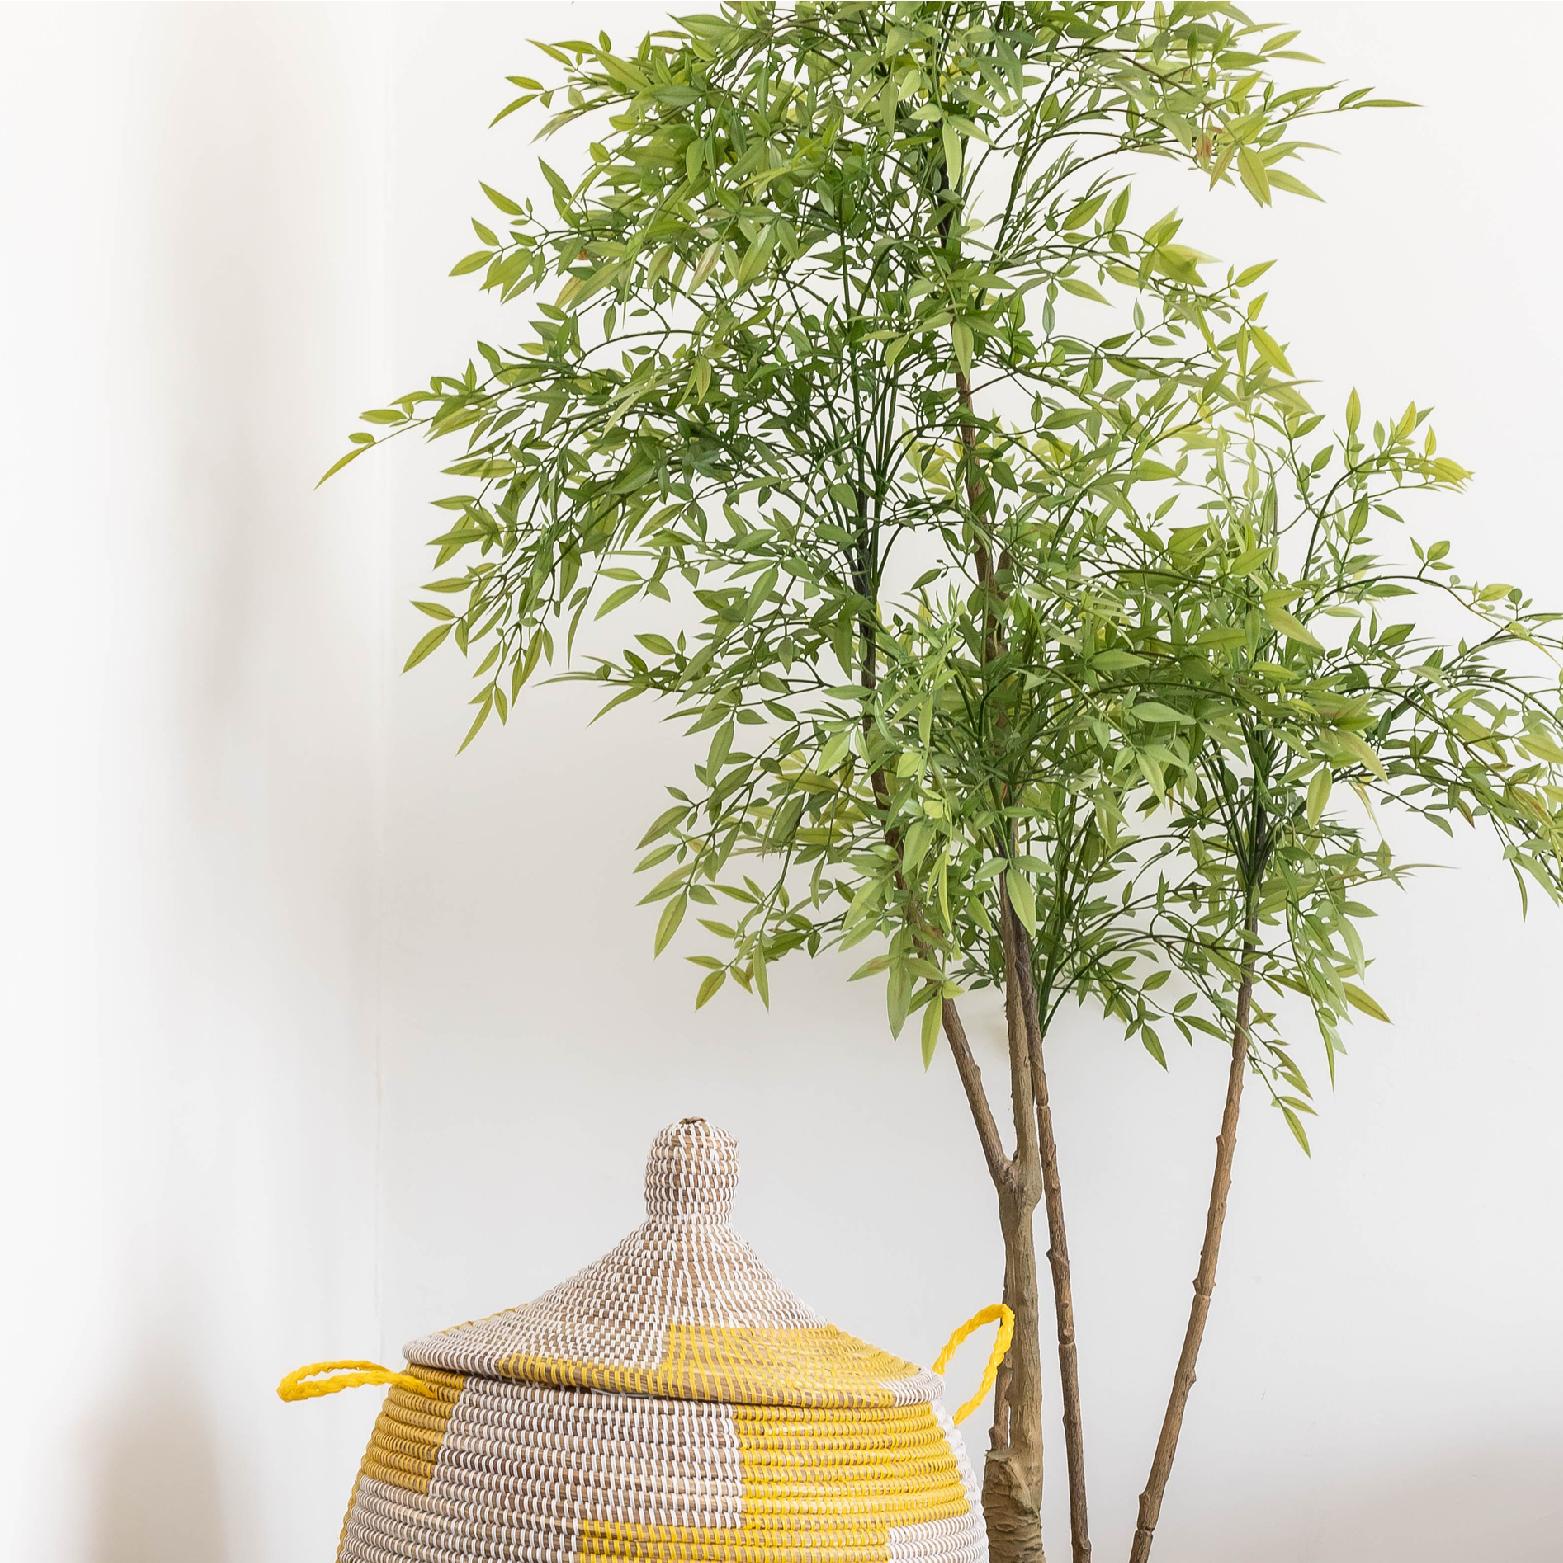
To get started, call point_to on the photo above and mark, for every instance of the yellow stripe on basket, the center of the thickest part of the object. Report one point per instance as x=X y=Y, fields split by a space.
x=411 y=1427
x=814 y=1483
x=816 y=1366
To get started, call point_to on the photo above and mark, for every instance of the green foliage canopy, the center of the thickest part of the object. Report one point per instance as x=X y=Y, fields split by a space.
x=991 y=542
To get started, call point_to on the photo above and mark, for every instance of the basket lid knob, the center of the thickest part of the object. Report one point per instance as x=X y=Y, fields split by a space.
x=692 y=1171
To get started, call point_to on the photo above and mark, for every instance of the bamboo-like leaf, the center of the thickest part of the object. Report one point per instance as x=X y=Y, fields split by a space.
x=503 y=202
x=341 y=461
x=933 y=1014
x=1255 y=177
x=1358 y=749
x=1269 y=349
x=667 y=923
x=1283 y=623
x=1155 y=711
x=1295 y=1124
x=1318 y=794
x=1022 y=897
x=485 y=705
x=426 y=645
x=952 y=152
x=1360 y=999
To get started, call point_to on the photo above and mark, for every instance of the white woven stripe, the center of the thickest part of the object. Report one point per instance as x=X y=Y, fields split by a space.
x=616 y=1311
x=683 y=1266
x=628 y=1458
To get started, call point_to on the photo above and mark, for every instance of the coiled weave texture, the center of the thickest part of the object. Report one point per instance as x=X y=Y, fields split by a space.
x=672 y=1403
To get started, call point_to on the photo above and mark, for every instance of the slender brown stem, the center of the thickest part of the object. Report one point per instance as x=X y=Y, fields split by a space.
x=976 y=1096
x=1017 y=970
x=954 y=1030
x=1012 y=1476
x=1058 y=1260
x=1209 y=1254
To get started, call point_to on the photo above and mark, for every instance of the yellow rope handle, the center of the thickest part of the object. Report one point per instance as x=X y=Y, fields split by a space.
x=346 y=1375
x=995 y=1312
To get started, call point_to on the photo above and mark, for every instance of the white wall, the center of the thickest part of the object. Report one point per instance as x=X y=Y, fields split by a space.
x=194 y=762
x=317 y=1036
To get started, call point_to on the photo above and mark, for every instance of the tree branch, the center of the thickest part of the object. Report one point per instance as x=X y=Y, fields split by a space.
x=967 y=1068
x=1209 y=1254
x=1058 y=1261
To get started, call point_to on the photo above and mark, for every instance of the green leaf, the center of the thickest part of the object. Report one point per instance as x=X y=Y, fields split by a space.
x=1540 y=744
x=1022 y=897
x=1268 y=348
x=1365 y=1002
x=1150 y=768
x=663 y=823
x=1295 y=1124
x=560 y=190
x=898 y=996
x=1255 y=177
x=485 y=705
x=960 y=340
x=1082 y=212
x=1280 y=179
x=1114 y=660
x=1357 y=748
x=476 y=261
x=427 y=645
x=710 y=986
x=952 y=151
x=618 y=597
x=1155 y=711
x=933 y=1016
x=667 y=923
x=1082 y=289
x=503 y=202
x=341 y=461
x=1318 y=794
x=1294 y=629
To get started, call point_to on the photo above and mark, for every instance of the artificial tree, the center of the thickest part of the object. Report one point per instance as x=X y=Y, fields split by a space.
x=1042 y=636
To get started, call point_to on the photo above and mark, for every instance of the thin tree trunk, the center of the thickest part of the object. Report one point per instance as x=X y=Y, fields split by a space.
x=1012 y=1474
x=1012 y=1490
x=1058 y=1260
x=1210 y=1252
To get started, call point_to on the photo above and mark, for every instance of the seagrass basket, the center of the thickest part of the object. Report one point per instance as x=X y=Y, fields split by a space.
x=670 y=1403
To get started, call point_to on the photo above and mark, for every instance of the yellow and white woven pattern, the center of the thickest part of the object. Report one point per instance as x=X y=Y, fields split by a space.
x=672 y=1403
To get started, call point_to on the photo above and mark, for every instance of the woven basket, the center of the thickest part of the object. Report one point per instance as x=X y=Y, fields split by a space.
x=672 y=1402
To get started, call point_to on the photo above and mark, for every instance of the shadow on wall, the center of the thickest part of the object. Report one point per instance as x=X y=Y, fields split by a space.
x=151 y=1485
x=1482 y=1505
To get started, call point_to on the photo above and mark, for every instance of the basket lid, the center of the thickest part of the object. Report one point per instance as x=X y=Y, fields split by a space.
x=682 y=1308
